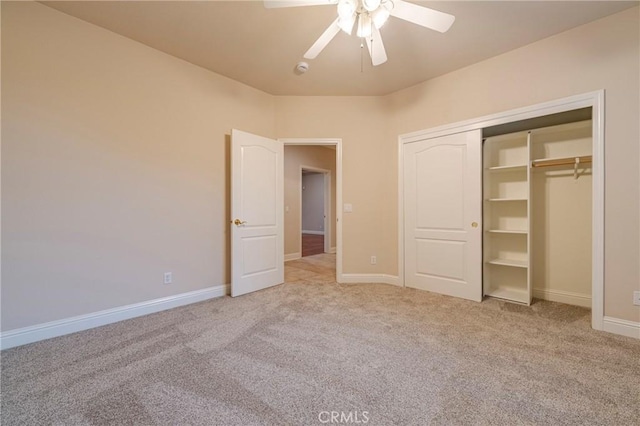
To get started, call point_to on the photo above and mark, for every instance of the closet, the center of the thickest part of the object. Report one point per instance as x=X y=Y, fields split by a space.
x=537 y=194
x=508 y=206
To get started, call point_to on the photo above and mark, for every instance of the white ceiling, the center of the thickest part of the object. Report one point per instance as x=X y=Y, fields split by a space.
x=260 y=47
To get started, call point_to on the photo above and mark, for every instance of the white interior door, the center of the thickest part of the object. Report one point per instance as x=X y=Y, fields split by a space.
x=443 y=212
x=257 y=237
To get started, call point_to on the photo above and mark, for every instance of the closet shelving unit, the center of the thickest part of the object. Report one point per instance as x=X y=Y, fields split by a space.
x=507 y=212
x=510 y=161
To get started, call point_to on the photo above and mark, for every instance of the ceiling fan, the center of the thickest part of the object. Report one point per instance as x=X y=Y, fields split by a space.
x=368 y=16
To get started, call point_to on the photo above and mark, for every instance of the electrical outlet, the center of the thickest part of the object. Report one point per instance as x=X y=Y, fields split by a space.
x=374 y=260
x=636 y=298
x=168 y=277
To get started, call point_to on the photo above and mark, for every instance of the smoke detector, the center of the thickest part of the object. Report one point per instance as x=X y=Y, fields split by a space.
x=302 y=67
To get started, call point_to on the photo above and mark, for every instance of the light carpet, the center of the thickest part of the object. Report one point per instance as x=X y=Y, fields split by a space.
x=312 y=351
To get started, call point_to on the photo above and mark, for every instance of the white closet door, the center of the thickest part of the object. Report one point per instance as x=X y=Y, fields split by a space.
x=443 y=213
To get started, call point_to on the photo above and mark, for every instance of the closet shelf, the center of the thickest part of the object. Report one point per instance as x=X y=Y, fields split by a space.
x=513 y=294
x=506 y=199
x=508 y=231
x=510 y=262
x=508 y=168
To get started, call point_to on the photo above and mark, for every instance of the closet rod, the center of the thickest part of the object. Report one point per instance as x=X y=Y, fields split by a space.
x=570 y=161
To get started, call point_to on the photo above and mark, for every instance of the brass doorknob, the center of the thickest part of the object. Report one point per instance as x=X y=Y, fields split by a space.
x=239 y=222
x=474 y=224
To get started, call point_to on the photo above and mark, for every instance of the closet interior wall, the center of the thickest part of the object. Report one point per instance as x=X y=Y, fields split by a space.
x=561 y=199
x=537 y=239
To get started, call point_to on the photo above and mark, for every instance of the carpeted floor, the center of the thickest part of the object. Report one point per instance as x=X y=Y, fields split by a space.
x=312 y=351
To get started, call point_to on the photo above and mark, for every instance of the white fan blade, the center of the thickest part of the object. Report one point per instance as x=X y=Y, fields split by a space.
x=273 y=4
x=323 y=41
x=422 y=16
x=376 y=48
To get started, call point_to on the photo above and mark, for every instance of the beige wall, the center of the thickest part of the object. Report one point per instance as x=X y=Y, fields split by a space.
x=114 y=168
x=604 y=54
x=115 y=157
x=368 y=170
x=296 y=156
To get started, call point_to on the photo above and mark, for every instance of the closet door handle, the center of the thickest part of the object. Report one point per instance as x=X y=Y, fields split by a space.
x=474 y=224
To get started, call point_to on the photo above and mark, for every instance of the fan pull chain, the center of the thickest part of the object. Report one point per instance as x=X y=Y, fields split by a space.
x=372 y=47
x=361 y=55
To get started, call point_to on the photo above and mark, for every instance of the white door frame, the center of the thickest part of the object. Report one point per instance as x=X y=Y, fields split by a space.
x=337 y=142
x=326 y=194
x=595 y=100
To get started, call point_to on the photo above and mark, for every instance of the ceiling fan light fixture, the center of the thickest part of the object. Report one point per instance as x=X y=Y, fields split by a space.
x=364 y=25
x=371 y=5
x=368 y=16
x=347 y=8
x=346 y=25
x=380 y=16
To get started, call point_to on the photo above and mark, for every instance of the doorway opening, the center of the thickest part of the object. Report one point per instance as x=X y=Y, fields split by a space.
x=312 y=194
x=315 y=210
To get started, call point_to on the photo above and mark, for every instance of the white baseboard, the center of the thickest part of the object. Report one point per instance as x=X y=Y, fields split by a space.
x=313 y=232
x=291 y=256
x=569 y=298
x=370 y=278
x=35 y=333
x=333 y=250
x=622 y=327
